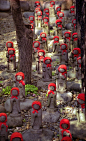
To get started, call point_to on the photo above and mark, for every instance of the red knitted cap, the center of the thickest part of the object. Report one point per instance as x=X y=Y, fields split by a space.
x=38 y=103
x=55 y=37
x=65 y=121
x=3 y=114
x=58 y=7
x=16 y=135
x=58 y=20
x=21 y=74
x=52 y=84
x=67 y=33
x=81 y=96
x=72 y=7
x=41 y=50
x=46 y=58
x=46 y=18
x=78 y=49
x=9 y=42
x=63 y=44
x=62 y=67
x=74 y=34
x=11 y=49
x=46 y=9
x=43 y=33
x=36 y=42
x=78 y=58
x=15 y=88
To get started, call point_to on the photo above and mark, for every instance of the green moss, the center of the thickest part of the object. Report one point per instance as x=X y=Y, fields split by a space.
x=31 y=88
x=6 y=90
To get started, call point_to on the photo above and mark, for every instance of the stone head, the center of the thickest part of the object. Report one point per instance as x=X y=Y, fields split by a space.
x=36 y=45
x=31 y=18
x=79 y=61
x=14 y=92
x=56 y=39
x=64 y=126
x=36 y=106
x=60 y=14
x=19 y=77
x=58 y=9
x=45 y=20
x=39 y=13
x=9 y=45
x=67 y=35
x=62 y=70
x=52 y=88
x=81 y=101
x=75 y=36
x=41 y=53
x=63 y=46
x=11 y=52
x=74 y=22
x=75 y=51
x=43 y=35
x=47 y=61
x=2 y=119
x=46 y=11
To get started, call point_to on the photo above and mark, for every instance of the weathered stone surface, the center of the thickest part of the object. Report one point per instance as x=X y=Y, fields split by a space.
x=72 y=86
x=2 y=109
x=27 y=14
x=50 y=117
x=14 y=121
x=7 y=75
x=24 y=6
x=45 y=135
x=4 y=5
x=27 y=104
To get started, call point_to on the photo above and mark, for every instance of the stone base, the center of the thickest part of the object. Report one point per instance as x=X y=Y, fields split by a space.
x=65 y=97
x=78 y=130
x=50 y=116
x=45 y=135
x=27 y=104
x=14 y=121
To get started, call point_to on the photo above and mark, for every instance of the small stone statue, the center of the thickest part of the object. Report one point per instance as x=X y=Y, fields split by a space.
x=52 y=96
x=81 y=102
x=15 y=102
x=52 y=3
x=36 y=115
x=63 y=53
x=75 y=40
x=76 y=52
x=59 y=27
x=16 y=136
x=47 y=69
x=56 y=44
x=60 y=15
x=64 y=127
x=61 y=78
x=46 y=25
x=78 y=70
x=66 y=139
x=3 y=127
x=9 y=44
x=41 y=55
x=20 y=83
x=67 y=40
x=43 y=40
x=36 y=47
x=72 y=12
x=37 y=4
x=11 y=58
x=58 y=9
x=74 y=25
x=31 y=19
x=39 y=18
x=46 y=12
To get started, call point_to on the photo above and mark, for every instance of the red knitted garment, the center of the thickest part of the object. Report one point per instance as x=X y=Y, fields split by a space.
x=38 y=46
x=58 y=8
x=66 y=139
x=58 y=20
x=43 y=38
x=9 y=42
x=79 y=52
x=58 y=13
x=82 y=97
x=21 y=74
x=69 y=35
x=75 y=39
x=38 y=103
x=3 y=114
x=63 y=50
x=63 y=67
x=16 y=135
x=54 y=39
x=72 y=11
x=52 y=3
x=50 y=91
x=15 y=88
x=46 y=58
x=78 y=62
x=47 y=20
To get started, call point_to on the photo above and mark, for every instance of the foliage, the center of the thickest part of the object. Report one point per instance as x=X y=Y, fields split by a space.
x=56 y=62
x=24 y=120
x=31 y=88
x=6 y=90
x=53 y=73
x=1 y=81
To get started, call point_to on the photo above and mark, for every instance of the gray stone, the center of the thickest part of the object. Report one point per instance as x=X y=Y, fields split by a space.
x=14 y=121
x=2 y=109
x=24 y=5
x=50 y=116
x=44 y=135
x=72 y=86
x=27 y=14
x=4 y=5
x=27 y=104
x=78 y=130
x=5 y=75
x=65 y=97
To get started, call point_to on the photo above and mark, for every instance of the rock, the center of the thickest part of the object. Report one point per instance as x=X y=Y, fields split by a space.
x=2 y=109
x=2 y=67
x=4 y=5
x=5 y=75
x=65 y=97
x=24 y=5
x=72 y=86
x=27 y=104
x=50 y=117
x=45 y=135
x=14 y=121
x=27 y=14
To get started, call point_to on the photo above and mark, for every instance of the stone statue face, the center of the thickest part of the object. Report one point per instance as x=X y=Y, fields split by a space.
x=45 y=20
x=36 y=106
x=63 y=47
x=19 y=77
x=38 y=13
x=79 y=61
x=9 y=44
x=43 y=35
x=46 y=11
x=64 y=126
x=74 y=21
x=16 y=139
x=14 y=92
x=67 y=35
x=58 y=9
x=2 y=118
x=36 y=44
x=75 y=36
x=31 y=18
x=60 y=14
x=58 y=23
x=72 y=9
x=62 y=70
x=11 y=51
x=56 y=39
x=81 y=101
x=47 y=61
x=40 y=53
x=52 y=88
x=75 y=51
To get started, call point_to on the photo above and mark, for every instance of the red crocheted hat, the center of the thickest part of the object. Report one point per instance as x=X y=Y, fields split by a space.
x=41 y=50
x=52 y=84
x=78 y=49
x=38 y=103
x=21 y=74
x=62 y=67
x=16 y=135
x=66 y=139
x=9 y=42
x=15 y=88
x=3 y=114
x=78 y=58
x=47 y=10
x=67 y=33
x=73 y=20
x=46 y=58
x=63 y=44
x=58 y=8
x=56 y=37
x=43 y=33
x=36 y=42
x=58 y=20
x=46 y=18
x=65 y=121
x=52 y=3
x=74 y=34
x=81 y=96
x=72 y=7
x=59 y=13
x=11 y=49
x=37 y=9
